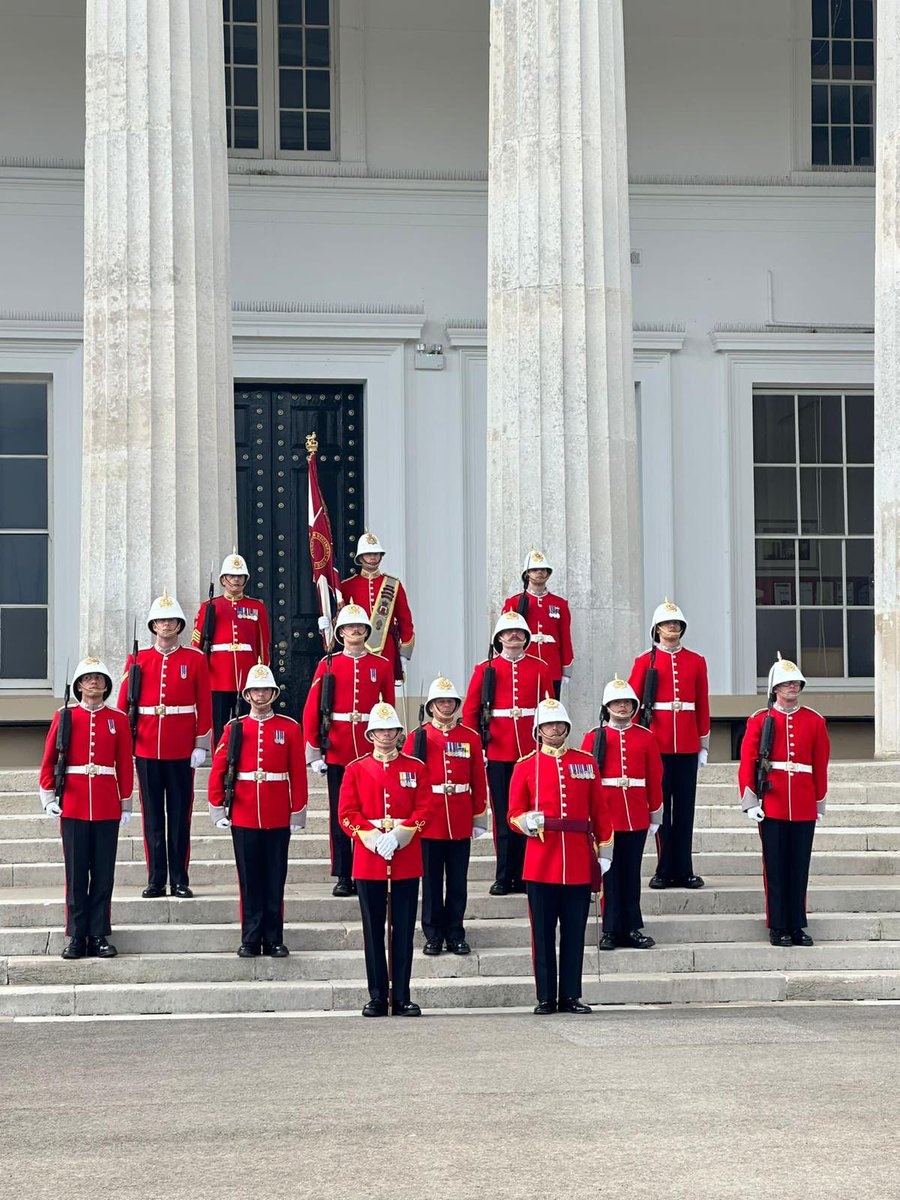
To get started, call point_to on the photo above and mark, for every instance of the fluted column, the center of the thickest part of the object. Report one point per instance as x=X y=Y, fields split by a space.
x=887 y=387
x=158 y=491
x=562 y=445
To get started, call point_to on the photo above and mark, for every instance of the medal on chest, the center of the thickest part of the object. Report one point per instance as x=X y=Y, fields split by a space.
x=112 y=725
x=373 y=674
x=184 y=671
x=279 y=737
x=408 y=779
x=457 y=749
x=553 y=610
x=581 y=770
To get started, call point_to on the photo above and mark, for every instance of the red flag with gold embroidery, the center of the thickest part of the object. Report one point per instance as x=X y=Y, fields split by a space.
x=326 y=578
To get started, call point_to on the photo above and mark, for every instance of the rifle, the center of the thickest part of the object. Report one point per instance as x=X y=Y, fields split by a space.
x=488 y=688
x=208 y=631
x=522 y=605
x=651 y=682
x=763 y=765
x=598 y=750
x=233 y=754
x=326 y=704
x=133 y=693
x=63 y=734
x=420 y=737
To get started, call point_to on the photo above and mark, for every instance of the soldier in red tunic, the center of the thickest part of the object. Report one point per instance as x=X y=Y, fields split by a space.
x=173 y=739
x=679 y=719
x=631 y=778
x=269 y=804
x=556 y=801
x=783 y=782
x=548 y=619
x=334 y=733
x=386 y=802
x=384 y=599
x=455 y=761
x=505 y=721
x=240 y=640
x=96 y=778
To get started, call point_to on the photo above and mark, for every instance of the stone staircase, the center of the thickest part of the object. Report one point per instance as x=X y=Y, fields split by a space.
x=177 y=956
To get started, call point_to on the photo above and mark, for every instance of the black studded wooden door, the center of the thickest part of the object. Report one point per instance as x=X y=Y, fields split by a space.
x=271 y=424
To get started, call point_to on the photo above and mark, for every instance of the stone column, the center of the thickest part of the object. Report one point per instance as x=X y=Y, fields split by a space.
x=887 y=387
x=562 y=444
x=158 y=486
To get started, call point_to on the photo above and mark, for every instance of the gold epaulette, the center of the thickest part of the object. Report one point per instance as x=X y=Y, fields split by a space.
x=525 y=757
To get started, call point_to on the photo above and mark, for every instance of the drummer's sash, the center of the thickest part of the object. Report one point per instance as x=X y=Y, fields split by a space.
x=382 y=614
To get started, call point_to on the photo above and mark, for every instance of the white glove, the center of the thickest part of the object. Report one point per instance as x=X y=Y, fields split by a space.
x=125 y=817
x=534 y=821
x=820 y=816
x=564 y=682
x=478 y=831
x=53 y=809
x=406 y=652
x=652 y=830
x=324 y=624
x=756 y=813
x=605 y=864
x=386 y=845
x=319 y=765
x=217 y=816
x=223 y=823
x=298 y=821
x=703 y=756
x=198 y=757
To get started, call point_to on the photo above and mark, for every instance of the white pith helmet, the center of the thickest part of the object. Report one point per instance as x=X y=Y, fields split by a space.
x=351 y=614
x=233 y=564
x=165 y=607
x=510 y=620
x=368 y=544
x=783 y=670
x=92 y=666
x=618 y=689
x=383 y=716
x=667 y=611
x=551 y=710
x=535 y=561
x=442 y=689
x=260 y=676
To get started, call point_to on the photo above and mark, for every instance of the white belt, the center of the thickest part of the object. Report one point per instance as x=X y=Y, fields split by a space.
x=168 y=710
x=231 y=646
x=623 y=781
x=90 y=769
x=675 y=706
x=449 y=788
x=263 y=776
x=353 y=717
x=792 y=767
x=515 y=713
x=543 y=639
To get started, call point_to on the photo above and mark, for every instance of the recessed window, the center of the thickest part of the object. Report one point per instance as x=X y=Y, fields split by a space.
x=814 y=512
x=842 y=69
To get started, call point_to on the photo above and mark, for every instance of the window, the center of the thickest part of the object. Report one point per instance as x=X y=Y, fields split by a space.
x=842 y=54
x=279 y=77
x=814 y=521
x=24 y=534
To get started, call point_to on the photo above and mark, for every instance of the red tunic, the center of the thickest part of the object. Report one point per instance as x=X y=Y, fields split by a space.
x=99 y=739
x=364 y=590
x=274 y=745
x=240 y=640
x=800 y=738
x=630 y=754
x=566 y=785
x=359 y=684
x=374 y=791
x=455 y=763
x=179 y=679
x=681 y=681
x=519 y=687
x=550 y=622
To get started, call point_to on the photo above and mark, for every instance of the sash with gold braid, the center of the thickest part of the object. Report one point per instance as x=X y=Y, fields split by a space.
x=382 y=615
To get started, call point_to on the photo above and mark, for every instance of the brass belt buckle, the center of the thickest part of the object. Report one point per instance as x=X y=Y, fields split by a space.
x=91 y=769
x=790 y=767
x=160 y=710
x=387 y=824
x=449 y=788
x=624 y=781
x=515 y=713
x=260 y=776
x=677 y=706
x=235 y=645
x=355 y=718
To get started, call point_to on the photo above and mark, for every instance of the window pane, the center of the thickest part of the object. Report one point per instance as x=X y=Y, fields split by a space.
x=821 y=500
x=840 y=60
x=246 y=135
x=840 y=145
x=860 y=571
x=773 y=429
x=819 y=104
x=821 y=145
x=228 y=43
x=227 y=91
x=318 y=89
x=822 y=643
x=244 y=42
x=226 y=9
x=775 y=492
x=860 y=429
x=840 y=104
x=840 y=18
x=317 y=12
x=820 y=27
x=23 y=418
x=821 y=571
x=776 y=631
x=318 y=131
x=862 y=146
x=23 y=643
x=245 y=90
x=863 y=24
x=819 y=59
x=23 y=579
x=290 y=89
x=819 y=418
x=290 y=47
x=860 y=643
x=862 y=105
x=244 y=10
x=290 y=12
x=860 y=500
x=317 y=54
x=291 y=128
x=864 y=60
x=775 y=564
x=23 y=493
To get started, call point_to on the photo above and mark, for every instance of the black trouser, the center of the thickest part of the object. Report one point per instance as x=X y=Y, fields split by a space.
x=443 y=912
x=261 y=856
x=167 y=802
x=508 y=845
x=786 y=849
x=225 y=705
x=566 y=905
x=557 y=687
x=340 y=844
x=89 y=851
x=673 y=842
x=373 y=906
x=622 y=883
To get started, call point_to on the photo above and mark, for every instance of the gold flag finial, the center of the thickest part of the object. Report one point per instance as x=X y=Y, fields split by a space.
x=312 y=445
